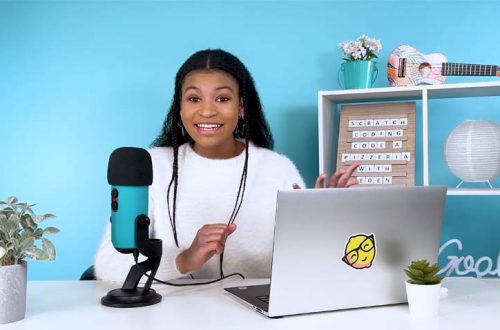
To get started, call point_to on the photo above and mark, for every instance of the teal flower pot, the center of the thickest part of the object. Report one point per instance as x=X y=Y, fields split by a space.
x=358 y=74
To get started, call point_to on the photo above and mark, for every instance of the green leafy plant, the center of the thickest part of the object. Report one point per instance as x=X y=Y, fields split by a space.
x=421 y=272
x=19 y=233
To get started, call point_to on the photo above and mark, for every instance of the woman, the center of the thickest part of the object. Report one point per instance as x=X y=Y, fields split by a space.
x=215 y=176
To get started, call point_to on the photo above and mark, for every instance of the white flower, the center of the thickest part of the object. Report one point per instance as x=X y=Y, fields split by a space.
x=364 y=48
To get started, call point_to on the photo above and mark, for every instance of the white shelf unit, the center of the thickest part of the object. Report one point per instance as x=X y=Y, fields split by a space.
x=328 y=127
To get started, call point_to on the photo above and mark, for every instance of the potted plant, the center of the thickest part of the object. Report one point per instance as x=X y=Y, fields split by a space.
x=423 y=288
x=360 y=69
x=19 y=235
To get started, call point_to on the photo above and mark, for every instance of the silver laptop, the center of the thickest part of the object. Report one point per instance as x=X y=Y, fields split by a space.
x=346 y=248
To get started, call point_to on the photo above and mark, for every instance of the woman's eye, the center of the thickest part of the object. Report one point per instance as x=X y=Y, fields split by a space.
x=193 y=99
x=222 y=99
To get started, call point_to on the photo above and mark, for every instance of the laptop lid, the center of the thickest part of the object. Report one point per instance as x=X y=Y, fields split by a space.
x=347 y=247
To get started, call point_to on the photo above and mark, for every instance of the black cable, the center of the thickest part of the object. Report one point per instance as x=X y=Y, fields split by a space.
x=187 y=284
x=197 y=283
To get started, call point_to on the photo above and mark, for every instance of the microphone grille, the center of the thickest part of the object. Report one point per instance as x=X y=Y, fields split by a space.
x=129 y=166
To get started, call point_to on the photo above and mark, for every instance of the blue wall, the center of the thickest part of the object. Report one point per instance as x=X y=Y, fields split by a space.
x=78 y=79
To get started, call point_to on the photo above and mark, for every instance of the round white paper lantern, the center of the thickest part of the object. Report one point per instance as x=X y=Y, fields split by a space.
x=472 y=151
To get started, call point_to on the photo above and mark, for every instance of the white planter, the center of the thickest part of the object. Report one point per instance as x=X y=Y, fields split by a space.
x=472 y=151
x=423 y=300
x=13 y=292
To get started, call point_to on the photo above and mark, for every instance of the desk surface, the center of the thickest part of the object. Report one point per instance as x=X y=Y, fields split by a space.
x=471 y=303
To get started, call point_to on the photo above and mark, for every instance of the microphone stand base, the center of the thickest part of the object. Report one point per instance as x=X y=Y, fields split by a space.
x=124 y=298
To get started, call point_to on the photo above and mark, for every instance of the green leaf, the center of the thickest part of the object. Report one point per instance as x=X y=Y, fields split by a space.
x=27 y=243
x=12 y=225
x=12 y=200
x=48 y=216
x=36 y=253
x=2 y=252
x=38 y=218
x=49 y=248
x=51 y=230
x=31 y=224
x=38 y=233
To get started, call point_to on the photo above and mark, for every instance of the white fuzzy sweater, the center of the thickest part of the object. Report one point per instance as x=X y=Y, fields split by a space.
x=206 y=194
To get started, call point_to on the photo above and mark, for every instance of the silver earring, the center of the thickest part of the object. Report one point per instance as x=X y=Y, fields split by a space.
x=240 y=129
x=183 y=132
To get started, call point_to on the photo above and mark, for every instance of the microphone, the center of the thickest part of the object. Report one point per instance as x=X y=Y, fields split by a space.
x=130 y=172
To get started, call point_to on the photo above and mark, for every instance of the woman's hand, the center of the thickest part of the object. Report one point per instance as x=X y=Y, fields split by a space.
x=210 y=240
x=342 y=178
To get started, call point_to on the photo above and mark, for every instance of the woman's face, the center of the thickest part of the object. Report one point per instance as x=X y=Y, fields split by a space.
x=210 y=108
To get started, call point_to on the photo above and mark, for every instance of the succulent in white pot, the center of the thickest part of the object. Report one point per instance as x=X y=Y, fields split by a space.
x=423 y=288
x=20 y=238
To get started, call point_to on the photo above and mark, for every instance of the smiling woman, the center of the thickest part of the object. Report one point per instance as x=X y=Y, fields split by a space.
x=213 y=168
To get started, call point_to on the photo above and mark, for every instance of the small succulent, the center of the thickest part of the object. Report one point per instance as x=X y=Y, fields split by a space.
x=421 y=272
x=19 y=233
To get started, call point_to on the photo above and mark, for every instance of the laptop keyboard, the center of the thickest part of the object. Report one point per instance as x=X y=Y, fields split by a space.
x=264 y=298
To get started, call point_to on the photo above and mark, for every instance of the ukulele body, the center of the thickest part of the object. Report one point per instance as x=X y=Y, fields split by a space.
x=408 y=67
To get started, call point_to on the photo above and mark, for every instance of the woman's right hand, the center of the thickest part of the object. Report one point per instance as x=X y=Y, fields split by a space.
x=210 y=240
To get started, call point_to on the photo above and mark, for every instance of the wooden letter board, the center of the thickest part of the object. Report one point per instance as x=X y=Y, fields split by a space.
x=381 y=137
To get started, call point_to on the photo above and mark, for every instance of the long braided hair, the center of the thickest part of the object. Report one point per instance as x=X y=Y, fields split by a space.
x=252 y=127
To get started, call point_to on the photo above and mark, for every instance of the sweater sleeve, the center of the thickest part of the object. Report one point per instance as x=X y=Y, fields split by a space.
x=292 y=175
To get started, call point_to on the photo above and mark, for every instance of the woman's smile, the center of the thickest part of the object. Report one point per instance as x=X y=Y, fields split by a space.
x=208 y=128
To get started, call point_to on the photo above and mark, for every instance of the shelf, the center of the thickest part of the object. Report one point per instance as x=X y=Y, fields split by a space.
x=473 y=191
x=328 y=130
x=491 y=88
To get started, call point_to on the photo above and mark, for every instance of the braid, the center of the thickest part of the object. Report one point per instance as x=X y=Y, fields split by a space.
x=243 y=180
x=174 y=180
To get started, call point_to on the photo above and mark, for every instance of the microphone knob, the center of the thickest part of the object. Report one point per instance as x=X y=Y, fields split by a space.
x=114 y=199
x=143 y=221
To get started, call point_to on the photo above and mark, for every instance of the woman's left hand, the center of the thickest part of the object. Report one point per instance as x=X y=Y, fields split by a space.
x=342 y=178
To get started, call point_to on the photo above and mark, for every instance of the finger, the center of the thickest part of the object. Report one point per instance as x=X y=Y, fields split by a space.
x=212 y=238
x=214 y=225
x=320 y=181
x=352 y=168
x=344 y=179
x=213 y=248
x=352 y=181
x=230 y=229
x=212 y=230
x=209 y=250
x=334 y=179
x=296 y=186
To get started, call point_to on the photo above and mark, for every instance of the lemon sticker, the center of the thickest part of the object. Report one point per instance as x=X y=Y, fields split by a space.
x=360 y=251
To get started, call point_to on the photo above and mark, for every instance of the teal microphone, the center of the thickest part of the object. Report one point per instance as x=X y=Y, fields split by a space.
x=130 y=172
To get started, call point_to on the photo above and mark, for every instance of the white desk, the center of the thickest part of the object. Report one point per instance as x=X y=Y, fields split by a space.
x=73 y=305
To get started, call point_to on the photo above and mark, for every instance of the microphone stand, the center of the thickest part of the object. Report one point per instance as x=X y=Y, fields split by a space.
x=130 y=295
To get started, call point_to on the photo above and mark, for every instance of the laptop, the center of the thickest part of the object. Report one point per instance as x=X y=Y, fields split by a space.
x=346 y=248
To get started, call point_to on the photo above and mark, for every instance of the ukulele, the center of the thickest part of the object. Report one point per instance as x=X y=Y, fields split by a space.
x=408 y=67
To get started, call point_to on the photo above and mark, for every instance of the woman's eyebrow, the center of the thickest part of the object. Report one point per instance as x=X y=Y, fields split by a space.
x=216 y=88
x=224 y=87
x=191 y=87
